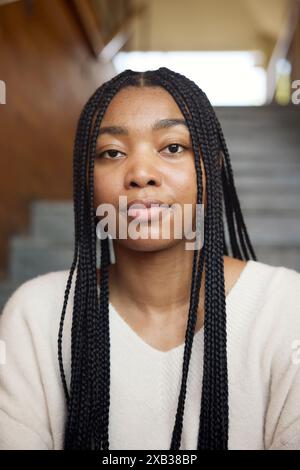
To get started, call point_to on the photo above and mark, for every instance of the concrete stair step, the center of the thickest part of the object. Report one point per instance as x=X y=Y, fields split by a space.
x=243 y=149
x=262 y=185
x=53 y=220
x=6 y=289
x=270 y=231
x=287 y=256
x=245 y=167
x=270 y=203
x=33 y=256
x=257 y=113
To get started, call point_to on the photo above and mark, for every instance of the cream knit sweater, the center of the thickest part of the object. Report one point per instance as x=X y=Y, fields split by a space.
x=263 y=344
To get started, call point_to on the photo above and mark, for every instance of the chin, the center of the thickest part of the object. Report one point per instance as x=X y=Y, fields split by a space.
x=149 y=245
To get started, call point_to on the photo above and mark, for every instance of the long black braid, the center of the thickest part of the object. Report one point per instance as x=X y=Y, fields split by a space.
x=88 y=400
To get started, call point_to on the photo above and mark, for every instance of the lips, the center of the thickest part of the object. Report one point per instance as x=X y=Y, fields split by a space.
x=142 y=203
x=146 y=209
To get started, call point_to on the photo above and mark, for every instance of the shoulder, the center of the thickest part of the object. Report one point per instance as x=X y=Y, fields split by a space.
x=282 y=302
x=262 y=279
x=278 y=336
x=39 y=288
x=273 y=296
x=280 y=293
x=29 y=371
x=36 y=298
x=281 y=284
x=265 y=305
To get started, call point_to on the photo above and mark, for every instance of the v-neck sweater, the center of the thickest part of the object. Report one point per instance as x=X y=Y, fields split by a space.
x=263 y=355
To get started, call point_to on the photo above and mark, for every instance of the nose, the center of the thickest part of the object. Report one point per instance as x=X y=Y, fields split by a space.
x=142 y=170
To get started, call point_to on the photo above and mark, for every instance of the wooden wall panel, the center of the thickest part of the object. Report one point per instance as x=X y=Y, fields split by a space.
x=50 y=72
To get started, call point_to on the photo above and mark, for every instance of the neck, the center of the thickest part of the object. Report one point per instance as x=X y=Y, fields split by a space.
x=154 y=281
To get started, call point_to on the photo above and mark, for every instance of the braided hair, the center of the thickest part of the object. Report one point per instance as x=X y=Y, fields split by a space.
x=88 y=397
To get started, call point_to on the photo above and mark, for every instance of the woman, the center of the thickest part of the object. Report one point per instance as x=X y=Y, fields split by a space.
x=160 y=346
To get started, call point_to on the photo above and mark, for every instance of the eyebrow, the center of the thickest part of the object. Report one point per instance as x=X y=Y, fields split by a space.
x=161 y=124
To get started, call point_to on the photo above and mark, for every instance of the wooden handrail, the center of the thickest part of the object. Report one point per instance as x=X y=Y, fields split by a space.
x=121 y=35
x=105 y=48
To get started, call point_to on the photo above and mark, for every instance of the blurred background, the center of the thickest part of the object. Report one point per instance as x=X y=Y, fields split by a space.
x=245 y=55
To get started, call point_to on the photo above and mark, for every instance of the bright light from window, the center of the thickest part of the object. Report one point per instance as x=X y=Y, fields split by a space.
x=228 y=78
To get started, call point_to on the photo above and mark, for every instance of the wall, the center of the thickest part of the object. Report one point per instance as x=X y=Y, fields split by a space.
x=175 y=25
x=50 y=72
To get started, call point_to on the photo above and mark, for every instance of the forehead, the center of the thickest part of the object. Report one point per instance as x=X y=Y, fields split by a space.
x=133 y=105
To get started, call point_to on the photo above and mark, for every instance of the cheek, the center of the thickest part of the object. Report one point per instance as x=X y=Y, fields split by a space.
x=185 y=183
x=106 y=188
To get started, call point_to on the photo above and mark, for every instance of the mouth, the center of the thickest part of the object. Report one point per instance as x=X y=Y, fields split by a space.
x=150 y=213
x=145 y=210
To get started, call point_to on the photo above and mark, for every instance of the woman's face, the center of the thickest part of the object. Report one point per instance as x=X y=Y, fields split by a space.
x=142 y=161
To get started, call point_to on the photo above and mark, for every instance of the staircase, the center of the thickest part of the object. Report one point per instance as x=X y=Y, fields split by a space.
x=264 y=145
x=48 y=247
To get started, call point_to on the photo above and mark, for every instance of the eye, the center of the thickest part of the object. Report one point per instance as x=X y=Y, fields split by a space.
x=112 y=154
x=174 y=148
